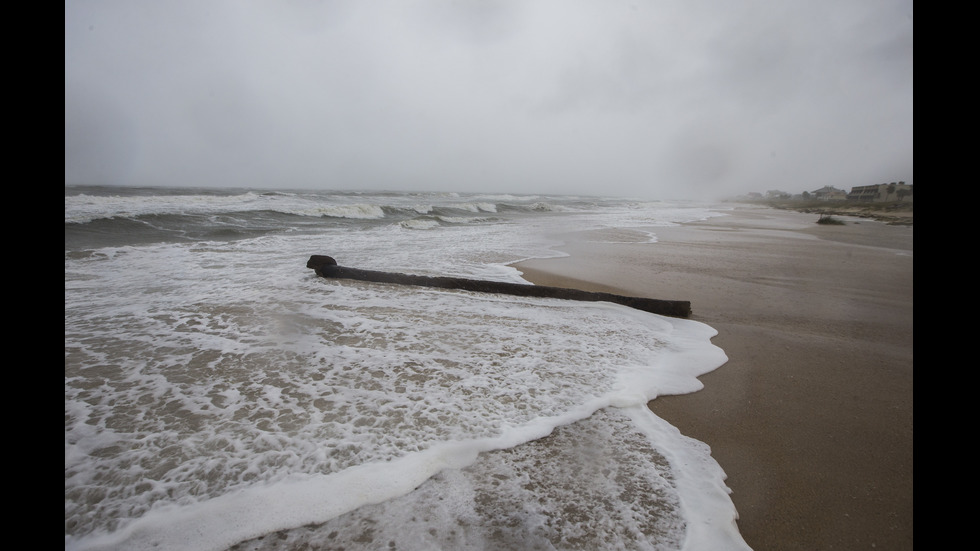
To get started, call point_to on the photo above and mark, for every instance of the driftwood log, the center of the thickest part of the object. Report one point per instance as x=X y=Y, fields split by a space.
x=326 y=266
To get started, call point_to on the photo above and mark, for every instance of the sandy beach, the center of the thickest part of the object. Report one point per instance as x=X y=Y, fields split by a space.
x=811 y=417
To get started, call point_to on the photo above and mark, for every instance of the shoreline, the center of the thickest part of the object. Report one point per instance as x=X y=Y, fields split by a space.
x=811 y=417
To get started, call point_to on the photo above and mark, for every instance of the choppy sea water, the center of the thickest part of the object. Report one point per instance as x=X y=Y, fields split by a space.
x=218 y=395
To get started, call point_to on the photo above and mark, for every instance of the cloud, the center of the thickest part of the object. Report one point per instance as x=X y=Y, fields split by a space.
x=661 y=98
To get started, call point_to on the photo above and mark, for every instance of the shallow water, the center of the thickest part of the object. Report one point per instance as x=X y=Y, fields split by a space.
x=219 y=394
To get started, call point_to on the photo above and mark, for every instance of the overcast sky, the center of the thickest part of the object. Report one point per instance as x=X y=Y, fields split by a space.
x=653 y=98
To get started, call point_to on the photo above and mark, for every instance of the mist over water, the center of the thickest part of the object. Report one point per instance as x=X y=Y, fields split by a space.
x=219 y=395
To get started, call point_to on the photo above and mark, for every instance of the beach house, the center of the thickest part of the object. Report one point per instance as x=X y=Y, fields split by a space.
x=895 y=191
x=829 y=193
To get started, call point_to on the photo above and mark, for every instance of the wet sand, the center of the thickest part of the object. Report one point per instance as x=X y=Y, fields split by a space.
x=811 y=417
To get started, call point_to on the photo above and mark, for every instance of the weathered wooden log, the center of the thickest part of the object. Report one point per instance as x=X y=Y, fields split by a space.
x=326 y=266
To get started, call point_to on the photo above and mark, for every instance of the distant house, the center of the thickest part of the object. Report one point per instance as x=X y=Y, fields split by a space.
x=895 y=191
x=777 y=194
x=829 y=193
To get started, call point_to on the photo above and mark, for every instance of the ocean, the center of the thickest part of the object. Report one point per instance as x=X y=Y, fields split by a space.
x=219 y=395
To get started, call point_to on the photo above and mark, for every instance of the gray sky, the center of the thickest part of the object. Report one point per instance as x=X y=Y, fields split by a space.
x=653 y=98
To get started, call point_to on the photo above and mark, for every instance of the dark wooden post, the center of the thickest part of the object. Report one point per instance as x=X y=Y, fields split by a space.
x=326 y=266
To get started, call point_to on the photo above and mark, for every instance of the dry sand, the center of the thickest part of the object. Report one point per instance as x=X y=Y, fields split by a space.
x=811 y=417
